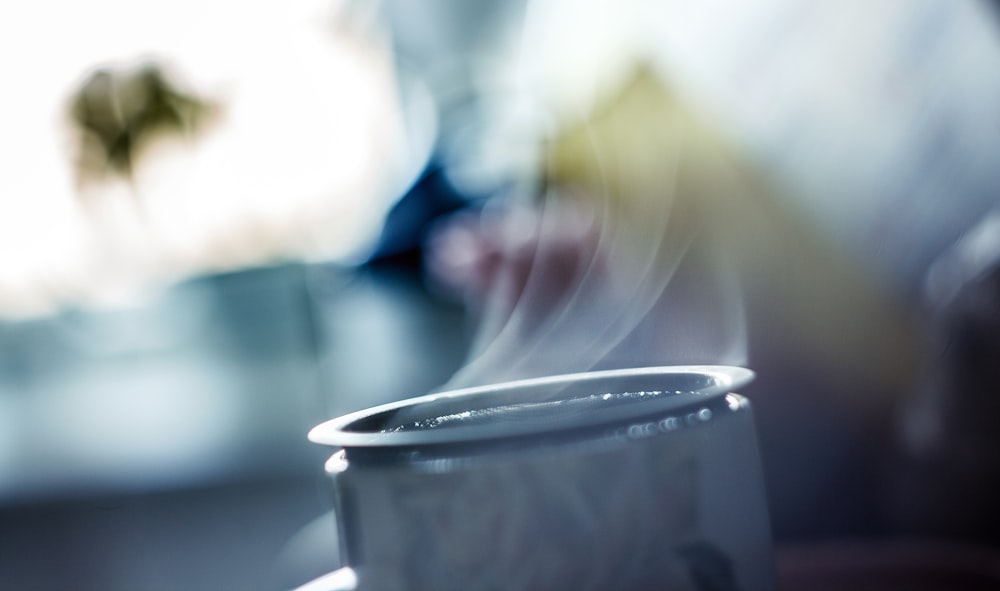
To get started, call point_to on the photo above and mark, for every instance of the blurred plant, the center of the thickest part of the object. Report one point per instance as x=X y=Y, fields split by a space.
x=120 y=111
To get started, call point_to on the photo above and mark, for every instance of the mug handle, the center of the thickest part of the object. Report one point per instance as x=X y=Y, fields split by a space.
x=342 y=579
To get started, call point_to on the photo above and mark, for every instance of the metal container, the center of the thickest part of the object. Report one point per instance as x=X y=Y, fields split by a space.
x=631 y=479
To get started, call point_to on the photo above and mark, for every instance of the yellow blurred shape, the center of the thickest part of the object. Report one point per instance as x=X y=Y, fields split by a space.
x=664 y=175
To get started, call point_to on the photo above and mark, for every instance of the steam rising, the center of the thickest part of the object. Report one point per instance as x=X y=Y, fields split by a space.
x=622 y=262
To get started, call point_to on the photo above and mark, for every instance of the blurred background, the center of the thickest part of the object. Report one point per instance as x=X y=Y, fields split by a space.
x=223 y=223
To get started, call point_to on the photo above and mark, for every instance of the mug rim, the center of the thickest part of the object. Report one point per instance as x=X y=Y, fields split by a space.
x=348 y=430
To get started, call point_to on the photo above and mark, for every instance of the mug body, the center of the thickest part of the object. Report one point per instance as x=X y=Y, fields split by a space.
x=628 y=479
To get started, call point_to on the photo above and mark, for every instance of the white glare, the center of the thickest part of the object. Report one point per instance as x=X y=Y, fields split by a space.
x=297 y=163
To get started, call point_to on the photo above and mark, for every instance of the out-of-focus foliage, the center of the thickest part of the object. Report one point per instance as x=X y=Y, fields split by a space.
x=117 y=111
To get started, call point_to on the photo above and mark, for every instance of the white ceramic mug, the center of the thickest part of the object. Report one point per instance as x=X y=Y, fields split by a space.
x=635 y=479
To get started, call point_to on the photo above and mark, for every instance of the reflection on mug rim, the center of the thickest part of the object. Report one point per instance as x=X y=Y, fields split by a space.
x=372 y=428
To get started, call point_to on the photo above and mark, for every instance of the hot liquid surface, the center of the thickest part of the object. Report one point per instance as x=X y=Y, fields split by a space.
x=522 y=412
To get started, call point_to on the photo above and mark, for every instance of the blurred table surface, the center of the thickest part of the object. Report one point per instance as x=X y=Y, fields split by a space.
x=162 y=445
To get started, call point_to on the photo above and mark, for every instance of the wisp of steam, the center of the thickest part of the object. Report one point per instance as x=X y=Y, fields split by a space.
x=623 y=260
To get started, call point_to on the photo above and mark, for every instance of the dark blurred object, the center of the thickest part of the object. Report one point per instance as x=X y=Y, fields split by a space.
x=405 y=230
x=120 y=110
x=710 y=568
x=901 y=565
x=947 y=477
